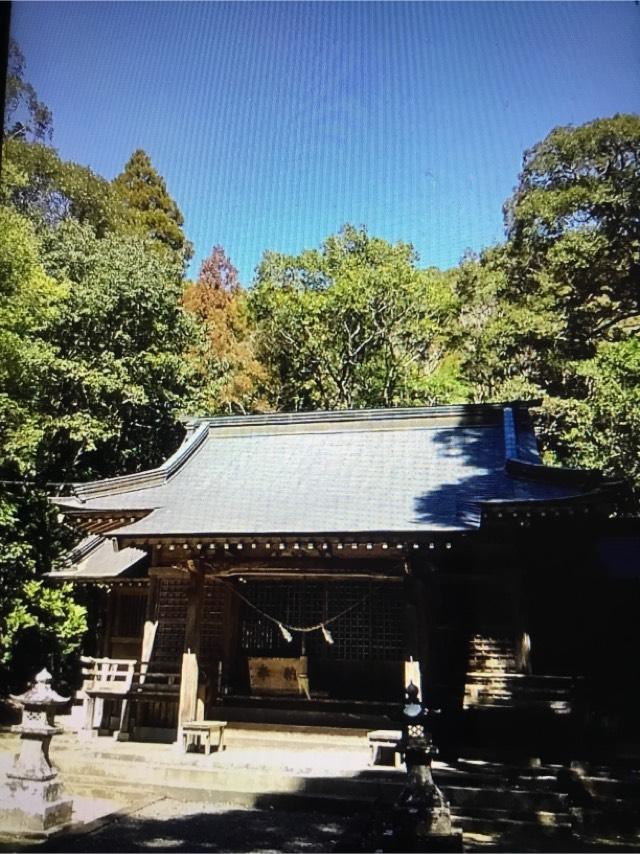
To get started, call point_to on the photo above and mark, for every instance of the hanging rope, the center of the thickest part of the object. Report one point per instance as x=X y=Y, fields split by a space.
x=286 y=628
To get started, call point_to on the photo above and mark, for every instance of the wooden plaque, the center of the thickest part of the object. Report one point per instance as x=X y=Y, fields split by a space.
x=277 y=675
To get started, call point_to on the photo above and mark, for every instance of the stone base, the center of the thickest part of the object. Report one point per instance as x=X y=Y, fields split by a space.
x=402 y=829
x=436 y=823
x=33 y=808
x=416 y=827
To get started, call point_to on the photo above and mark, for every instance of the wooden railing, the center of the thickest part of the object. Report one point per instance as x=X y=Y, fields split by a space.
x=107 y=676
x=123 y=682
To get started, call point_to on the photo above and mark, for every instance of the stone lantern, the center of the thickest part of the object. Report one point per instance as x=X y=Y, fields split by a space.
x=422 y=815
x=34 y=801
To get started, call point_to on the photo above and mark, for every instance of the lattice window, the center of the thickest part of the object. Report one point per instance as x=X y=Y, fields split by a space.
x=371 y=631
x=172 y=616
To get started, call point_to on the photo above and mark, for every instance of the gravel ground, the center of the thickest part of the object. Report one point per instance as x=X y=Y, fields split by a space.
x=169 y=825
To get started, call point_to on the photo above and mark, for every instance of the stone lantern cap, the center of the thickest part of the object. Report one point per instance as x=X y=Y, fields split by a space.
x=41 y=695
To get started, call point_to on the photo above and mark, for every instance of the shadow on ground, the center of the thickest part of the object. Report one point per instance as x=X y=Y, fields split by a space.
x=168 y=825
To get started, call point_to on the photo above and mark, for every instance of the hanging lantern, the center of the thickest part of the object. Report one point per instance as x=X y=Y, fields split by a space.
x=286 y=634
x=326 y=634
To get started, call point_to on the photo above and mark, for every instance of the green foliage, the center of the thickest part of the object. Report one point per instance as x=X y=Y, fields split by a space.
x=573 y=226
x=554 y=312
x=150 y=211
x=91 y=377
x=121 y=376
x=30 y=302
x=48 y=190
x=44 y=628
x=93 y=370
x=38 y=626
x=354 y=324
x=506 y=345
x=17 y=562
x=601 y=429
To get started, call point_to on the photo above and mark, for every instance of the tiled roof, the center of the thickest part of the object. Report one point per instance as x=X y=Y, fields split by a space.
x=95 y=558
x=411 y=470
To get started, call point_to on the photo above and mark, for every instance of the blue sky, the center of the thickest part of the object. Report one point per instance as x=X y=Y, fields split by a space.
x=275 y=123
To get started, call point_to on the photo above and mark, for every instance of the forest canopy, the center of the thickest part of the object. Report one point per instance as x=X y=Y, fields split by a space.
x=105 y=343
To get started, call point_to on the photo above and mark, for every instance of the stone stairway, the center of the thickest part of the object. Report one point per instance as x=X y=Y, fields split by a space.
x=605 y=798
x=506 y=801
x=304 y=767
x=493 y=681
x=507 y=805
x=490 y=801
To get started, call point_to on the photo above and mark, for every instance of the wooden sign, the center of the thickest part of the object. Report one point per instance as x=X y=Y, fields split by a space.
x=277 y=675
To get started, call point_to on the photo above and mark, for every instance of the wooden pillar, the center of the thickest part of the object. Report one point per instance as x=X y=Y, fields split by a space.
x=189 y=701
x=150 y=625
x=195 y=596
x=146 y=651
x=516 y=586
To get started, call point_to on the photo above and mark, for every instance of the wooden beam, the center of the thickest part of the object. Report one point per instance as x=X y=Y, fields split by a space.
x=280 y=575
x=168 y=572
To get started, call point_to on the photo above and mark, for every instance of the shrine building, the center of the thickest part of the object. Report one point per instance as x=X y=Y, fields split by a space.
x=316 y=562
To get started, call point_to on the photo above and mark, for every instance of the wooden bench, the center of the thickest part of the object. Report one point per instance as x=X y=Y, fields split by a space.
x=381 y=741
x=201 y=732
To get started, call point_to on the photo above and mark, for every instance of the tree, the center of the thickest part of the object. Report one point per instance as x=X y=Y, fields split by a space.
x=121 y=378
x=34 y=623
x=555 y=311
x=151 y=212
x=26 y=116
x=601 y=429
x=231 y=376
x=353 y=324
x=92 y=344
x=30 y=302
x=39 y=626
x=93 y=360
x=505 y=344
x=573 y=226
x=48 y=190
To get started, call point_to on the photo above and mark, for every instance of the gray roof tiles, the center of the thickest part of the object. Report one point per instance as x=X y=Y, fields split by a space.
x=398 y=471
x=95 y=559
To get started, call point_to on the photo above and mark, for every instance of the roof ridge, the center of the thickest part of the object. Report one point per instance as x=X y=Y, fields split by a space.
x=149 y=478
x=337 y=415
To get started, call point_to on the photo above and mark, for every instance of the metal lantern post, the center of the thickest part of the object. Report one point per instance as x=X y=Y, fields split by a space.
x=34 y=800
